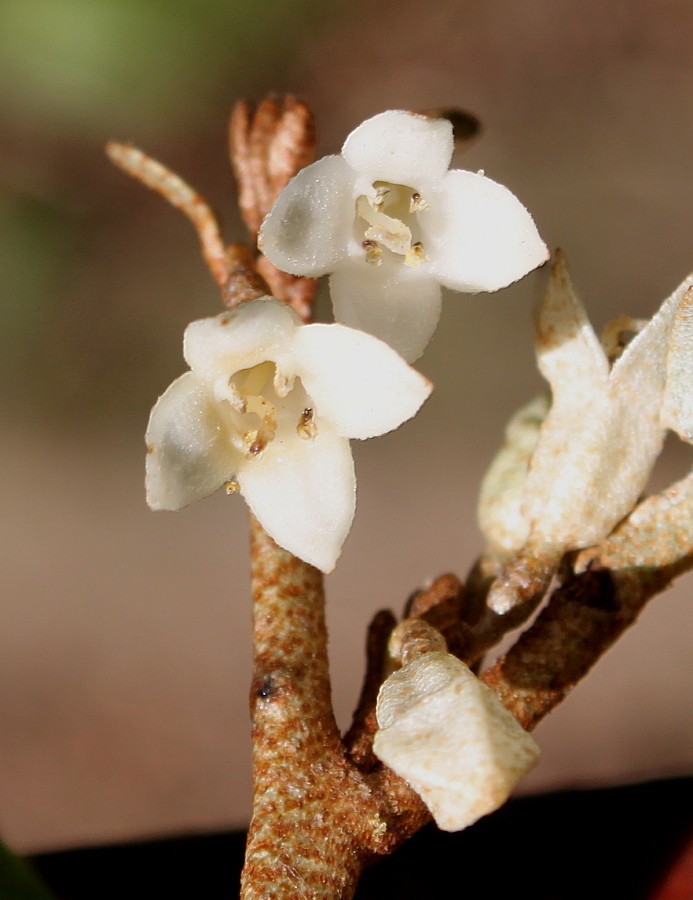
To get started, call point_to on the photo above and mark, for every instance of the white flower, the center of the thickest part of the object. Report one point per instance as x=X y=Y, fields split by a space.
x=269 y=406
x=392 y=225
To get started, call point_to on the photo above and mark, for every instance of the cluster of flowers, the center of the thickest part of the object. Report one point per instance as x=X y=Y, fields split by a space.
x=269 y=404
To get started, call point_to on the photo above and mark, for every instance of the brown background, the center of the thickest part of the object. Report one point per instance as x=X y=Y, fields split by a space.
x=124 y=646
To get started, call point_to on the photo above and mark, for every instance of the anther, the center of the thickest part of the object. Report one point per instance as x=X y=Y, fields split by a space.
x=374 y=252
x=415 y=256
x=253 y=443
x=306 y=428
x=417 y=203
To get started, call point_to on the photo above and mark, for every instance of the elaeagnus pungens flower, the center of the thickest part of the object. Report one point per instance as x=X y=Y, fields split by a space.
x=392 y=224
x=268 y=408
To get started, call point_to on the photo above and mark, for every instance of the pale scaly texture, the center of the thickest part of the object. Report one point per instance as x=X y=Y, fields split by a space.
x=450 y=738
x=677 y=409
x=603 y=432
x=601 y=437
x=391 y=224
x=500 y=512
x=269 y=407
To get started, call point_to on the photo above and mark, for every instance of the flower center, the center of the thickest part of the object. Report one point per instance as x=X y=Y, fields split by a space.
x=262 y=401
x=386 y=221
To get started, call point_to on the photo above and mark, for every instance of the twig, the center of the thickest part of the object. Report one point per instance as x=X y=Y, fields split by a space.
x=606 y=591
x=312 y=813
x=359 y=739
x=179 y=194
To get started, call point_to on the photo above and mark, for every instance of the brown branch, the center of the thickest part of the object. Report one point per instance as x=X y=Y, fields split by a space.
x=313 y=815
x=603 y=596
x=359 y=739
x=156 y=176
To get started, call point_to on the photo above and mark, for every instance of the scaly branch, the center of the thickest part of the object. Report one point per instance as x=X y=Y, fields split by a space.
x=601 y=597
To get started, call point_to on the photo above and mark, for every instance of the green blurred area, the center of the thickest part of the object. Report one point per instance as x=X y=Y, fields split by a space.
x=74 y=321
x=83 y=64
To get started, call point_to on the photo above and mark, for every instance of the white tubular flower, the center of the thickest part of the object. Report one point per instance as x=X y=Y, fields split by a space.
x=268 y=408
x=392 y=224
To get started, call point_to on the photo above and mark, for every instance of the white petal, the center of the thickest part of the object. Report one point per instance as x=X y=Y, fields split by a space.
x=450 y=738
x=396 y=303
x=501 y=513
x=479 y=237
x=357 y=382
x=188 y=455
x=402 y=148
x=636 y=432
x=569 y=353
x=251 y=334
x=677 y=409
x=303 y=492
x=602 y=436
x=307 y=230
x=559 y=492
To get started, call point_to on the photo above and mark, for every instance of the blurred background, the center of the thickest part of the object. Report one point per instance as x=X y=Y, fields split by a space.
x=125 y=638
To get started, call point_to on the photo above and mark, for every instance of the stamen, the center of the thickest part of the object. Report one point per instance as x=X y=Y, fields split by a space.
x=417 y=203
x=307 y=428
x=415 y=256
x=381 y=193
x=374 y=253
x=232 y=487
x=234 y=397
x=390 y=231
x=283 y=383
x=254 y=442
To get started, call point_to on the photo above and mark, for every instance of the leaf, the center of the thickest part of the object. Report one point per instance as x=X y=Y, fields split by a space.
x=18 y=881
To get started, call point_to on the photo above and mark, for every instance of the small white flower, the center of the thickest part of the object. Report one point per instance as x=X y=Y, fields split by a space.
x=392 y=224
x=268 y=407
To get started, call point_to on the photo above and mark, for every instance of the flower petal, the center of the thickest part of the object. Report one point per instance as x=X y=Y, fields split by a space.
x=677 y=408
x=569 y=353
x=303 y=492
x=559 y=499
x=250 y=334
x=479 y=237
x=500 y=512
x=636 y=432
x=402 y=148
x=395 y=303
x=357 y=383
x=602 y=435
x=307 y=230
x=188 y=455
